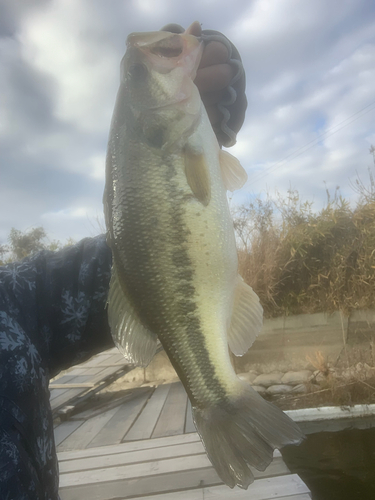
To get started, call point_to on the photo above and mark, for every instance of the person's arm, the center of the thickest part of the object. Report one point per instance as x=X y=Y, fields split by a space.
x=59 y=300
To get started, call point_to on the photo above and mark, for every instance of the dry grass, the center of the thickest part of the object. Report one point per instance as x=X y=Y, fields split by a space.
x=319 y=362
x=301 y=261
x=335 y=394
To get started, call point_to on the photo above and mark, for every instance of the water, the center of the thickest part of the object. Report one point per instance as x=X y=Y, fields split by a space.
x=336 y=465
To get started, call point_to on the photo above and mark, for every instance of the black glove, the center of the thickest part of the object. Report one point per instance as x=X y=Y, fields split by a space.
x=233 y=103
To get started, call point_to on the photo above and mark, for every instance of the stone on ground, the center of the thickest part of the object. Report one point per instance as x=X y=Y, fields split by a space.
x=247 y=377
x=279 y=389
x=296 y=377
x=267 y=379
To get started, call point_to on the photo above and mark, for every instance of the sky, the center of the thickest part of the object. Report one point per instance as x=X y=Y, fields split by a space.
x=310 y=69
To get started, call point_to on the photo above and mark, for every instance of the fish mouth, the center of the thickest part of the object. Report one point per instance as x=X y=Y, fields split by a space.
x=168 y=47
x=161 y=52
x=165 y=51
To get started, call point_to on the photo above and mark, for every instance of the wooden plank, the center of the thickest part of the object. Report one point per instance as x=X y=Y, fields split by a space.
x=110 y=370
x=135 y=471
x=273 y=487
x=82 y=379
x=198 y=494
x=70 y=386
x=73 y=382
x=115 y=429
x=57 y=392
x=261 y=489
x=176 y=464
x=145 y=424
x=64 y=430
x=156 y=454
x=86 y=432
x=93 y=370
x=113 y=359
x=104 y=364
x=302 y=496
x=147 y=444
x=121 y=359
x=189 y=424
x=188 y=494
x=95 y=361
x=76 y=370
x=172 y=417
x=108 y=405
x=68 y=377
x=135 y=487
x=127 y=458
x=71 y=372
x=64 y=398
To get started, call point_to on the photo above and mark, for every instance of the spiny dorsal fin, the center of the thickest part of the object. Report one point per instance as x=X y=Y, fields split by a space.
x=198 y=175
x=233 y=174
x=135 y=342
x=247 y=319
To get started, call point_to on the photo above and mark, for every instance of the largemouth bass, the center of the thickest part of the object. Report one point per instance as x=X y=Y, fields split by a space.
x=175 y=271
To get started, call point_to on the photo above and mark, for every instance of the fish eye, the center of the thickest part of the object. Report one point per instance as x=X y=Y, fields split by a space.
x=137 y=72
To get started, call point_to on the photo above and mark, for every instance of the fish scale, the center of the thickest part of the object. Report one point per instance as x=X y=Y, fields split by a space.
x=169 y=259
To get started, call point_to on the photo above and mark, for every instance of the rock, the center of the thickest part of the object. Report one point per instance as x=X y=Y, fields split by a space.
x=349 y=374
x=279 y=389
x=247 y=377
x=259 y=388
x=296 y=377
x=369 y=370
x=160 y=369
x=359 y=367
x=267 y=379
x=135 y=375
x=299 y=389
x=320 y=377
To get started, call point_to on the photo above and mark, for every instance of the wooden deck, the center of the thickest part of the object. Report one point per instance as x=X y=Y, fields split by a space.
x=87 y=378
x=144 y=445
x=170 y=467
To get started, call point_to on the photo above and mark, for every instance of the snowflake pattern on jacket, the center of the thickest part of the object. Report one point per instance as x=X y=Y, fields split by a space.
x=52 y=316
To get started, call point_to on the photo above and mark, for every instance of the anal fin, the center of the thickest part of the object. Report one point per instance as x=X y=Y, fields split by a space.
x=134 y=341
x=247 y=319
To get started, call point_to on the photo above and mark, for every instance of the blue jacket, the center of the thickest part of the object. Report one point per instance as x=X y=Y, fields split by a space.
x=52 y=316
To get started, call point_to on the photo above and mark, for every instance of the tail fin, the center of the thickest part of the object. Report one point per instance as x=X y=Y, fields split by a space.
x=241 y=432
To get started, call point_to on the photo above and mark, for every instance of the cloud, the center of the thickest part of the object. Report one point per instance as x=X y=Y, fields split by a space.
x=304 y=126
x=310 y=72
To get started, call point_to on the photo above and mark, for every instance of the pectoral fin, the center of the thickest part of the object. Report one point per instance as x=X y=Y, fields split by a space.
x=247 y=319
x=134 y=341
x=233 y=174
x=198 y=175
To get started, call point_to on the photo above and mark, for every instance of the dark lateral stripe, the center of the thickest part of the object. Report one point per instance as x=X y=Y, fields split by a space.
x=184 y=272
